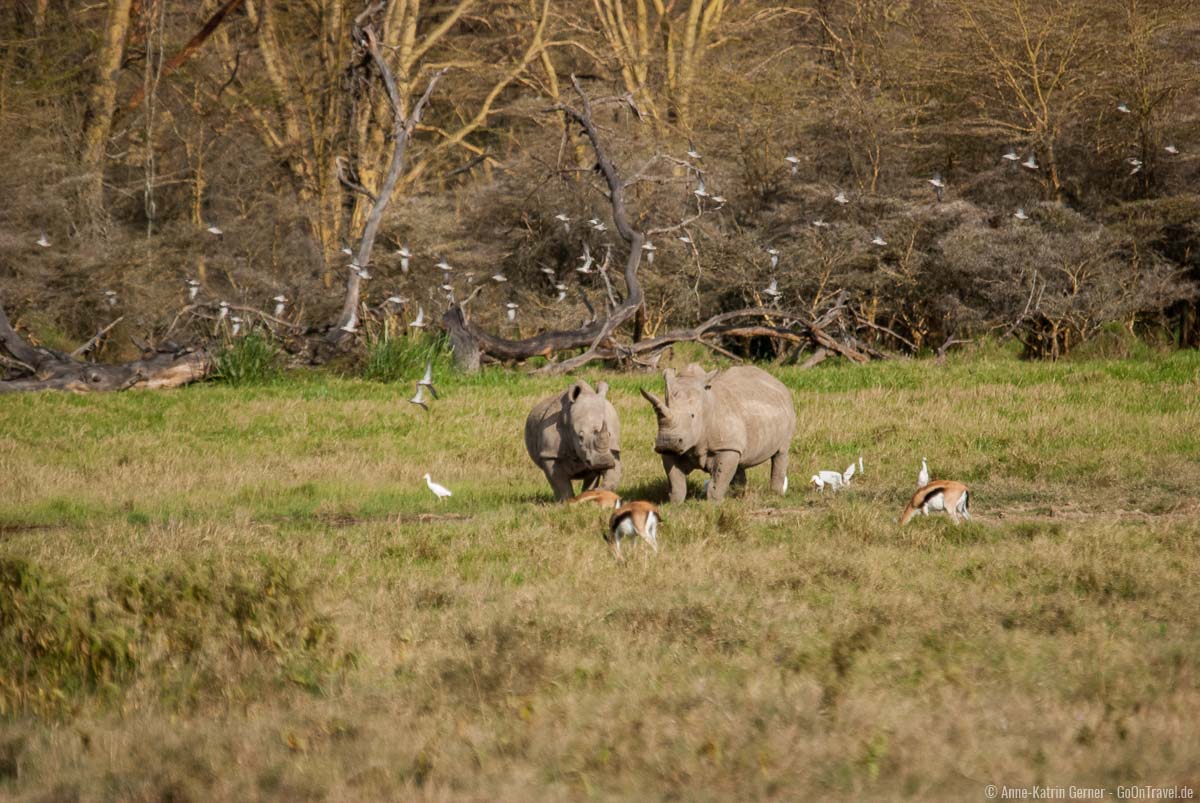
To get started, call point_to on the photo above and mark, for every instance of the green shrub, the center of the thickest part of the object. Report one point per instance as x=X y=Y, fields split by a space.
x=250 y=360
x=396 y=359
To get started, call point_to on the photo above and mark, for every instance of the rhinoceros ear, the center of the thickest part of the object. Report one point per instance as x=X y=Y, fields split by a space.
x=601 y=389
x=578 y=388
x=655 y=402
x=669 y=380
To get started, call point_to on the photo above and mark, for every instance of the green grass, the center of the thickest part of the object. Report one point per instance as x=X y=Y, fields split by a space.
x=247 y=592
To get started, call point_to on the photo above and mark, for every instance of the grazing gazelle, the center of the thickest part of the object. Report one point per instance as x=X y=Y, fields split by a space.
x=633 y=520
x=598 y=496
x=938 y=496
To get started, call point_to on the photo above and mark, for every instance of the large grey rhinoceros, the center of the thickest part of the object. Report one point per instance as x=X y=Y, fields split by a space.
x=723 y=423
x=575 y=435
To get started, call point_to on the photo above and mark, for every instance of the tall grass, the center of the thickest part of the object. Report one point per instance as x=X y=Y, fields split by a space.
x=250 y=360
x=392 y=358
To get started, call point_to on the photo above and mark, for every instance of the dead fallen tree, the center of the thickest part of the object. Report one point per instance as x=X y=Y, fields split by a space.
x=27 y=367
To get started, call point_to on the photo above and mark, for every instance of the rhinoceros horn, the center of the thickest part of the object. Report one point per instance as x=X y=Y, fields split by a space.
x=659 y=406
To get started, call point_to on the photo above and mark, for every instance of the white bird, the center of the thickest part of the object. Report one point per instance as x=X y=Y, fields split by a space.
x=546 y=269
x=686 y=239
x=773 y=290
x=785 y=483
x=841 y=197
x=701 y=191
x=193 y=289
x=499 y=278
x=222 y=310
x=1011 y=155
x=1031 y=162
x=878 y=240
x=566 y=221
x=820 y=224
x=692 y=152
x=1020 y=214
x=923 y=474
x=1123 y=108
x=938 y=185
x=600 y=227
x=405 y=255
x=594 y=222
x=834 y=480
x=44 y=241
x=280 y=303
x=360 y=270
x=718 y=199
x=213 y=230
x=444 y=265
x=440 y=491
x=586 y=259
x=111 y=297
x=419 y=399
x=346 y=250
x=794 y=162
x=237 y=326
x=449 y=288
x=352 y=324
x=420 y=321
x=426 y=381
x=511 y=310
x=562 y=292
x=649 y=248
x=1171 y=149
x=774 y=254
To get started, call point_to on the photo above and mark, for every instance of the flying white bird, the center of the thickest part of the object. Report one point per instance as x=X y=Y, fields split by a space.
x=701 y=191
x=586 y=259
x=1123 y=108
x=841 y=197
x=352 y=324
x=718 y=199
x=939 y=186
x=111 y=297
x=546 y=269
x=1031 y=162
x=820 y=224
x=237 y=326
x=562 y=292
x=405 y=255
x=397 y=300
x=419 y=399
x=426 y=381
x=1171 y=149
x=222 y=310
x=773 y=290
x=792 y=159
x=444 y=265
x=774 y=254
x=346 y=250
x=44 y=241
x=1020 y=214
x=563 y=219
x=834 y=480
x=360 y=270
x=692 y=152
x=440 y=491
x=280 y=303
x=511 y=310
x=498 y=278
x=420 y=321
x=1011 y=155
x=193 y=289
x=923 y=474
x=649 y=248
x=600 y=227
x=878 y=240
x=215 y=231
x=686 y=239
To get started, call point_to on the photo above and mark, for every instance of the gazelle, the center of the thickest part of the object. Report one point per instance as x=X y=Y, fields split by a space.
x=636 y=519
x=599 y=497
x=939 y=496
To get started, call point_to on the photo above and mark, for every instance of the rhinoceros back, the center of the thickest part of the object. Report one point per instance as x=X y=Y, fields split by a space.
x=751 y=413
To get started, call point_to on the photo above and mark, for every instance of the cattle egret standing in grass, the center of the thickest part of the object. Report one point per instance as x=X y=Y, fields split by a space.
x=634 y=520
x=923 y=474
x=649 y=248
x=420 y=321
x=440 y=491
x=834 y=480
x=563 y=219
x=405 y=255
x=280 y=305
x=193 y=289
x=44 y=241
x=792 y=160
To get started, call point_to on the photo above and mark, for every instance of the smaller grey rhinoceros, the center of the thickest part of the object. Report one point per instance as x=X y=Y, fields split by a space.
x=575 y=435
x=723 y=423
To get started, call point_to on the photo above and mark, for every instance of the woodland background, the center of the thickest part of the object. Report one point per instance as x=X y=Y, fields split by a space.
x=131 y=126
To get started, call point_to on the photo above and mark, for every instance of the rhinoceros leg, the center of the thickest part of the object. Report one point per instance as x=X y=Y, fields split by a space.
x=559 y=481
x=779 y=465
x=724 y=467
x=739 y=478
x=676 y=478
x=609 y=480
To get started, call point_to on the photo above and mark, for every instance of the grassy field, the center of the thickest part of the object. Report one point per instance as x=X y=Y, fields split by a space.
x=236 y=593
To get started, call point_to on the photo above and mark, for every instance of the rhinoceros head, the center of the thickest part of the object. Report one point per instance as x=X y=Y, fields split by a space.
x=681 y=411
x=587 y=425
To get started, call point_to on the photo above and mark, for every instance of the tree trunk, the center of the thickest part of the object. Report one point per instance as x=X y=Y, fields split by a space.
x=102 y=102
